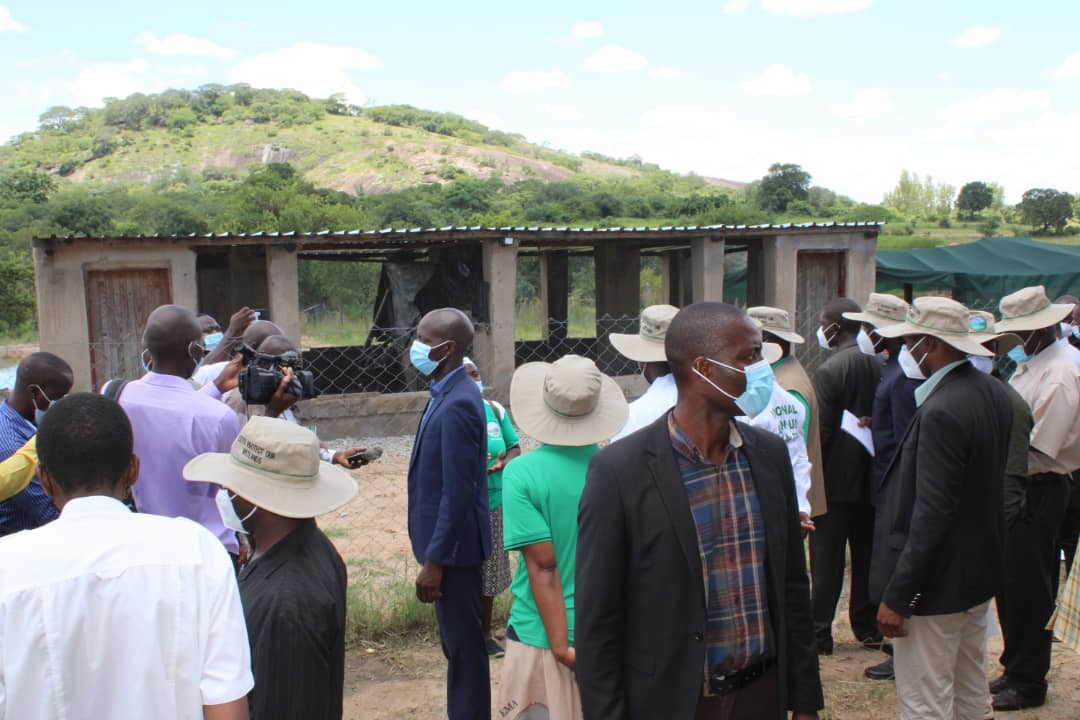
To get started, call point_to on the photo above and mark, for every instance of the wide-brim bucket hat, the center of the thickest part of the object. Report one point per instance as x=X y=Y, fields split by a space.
x=881 y=310
x=647 y=345
x=1030 y=309
x=944 y=319
x=775 y=321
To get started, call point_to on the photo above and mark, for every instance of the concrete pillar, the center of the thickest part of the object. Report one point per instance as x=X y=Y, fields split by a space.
x=780 y=260
x=283 y=288
x=554 y=293
x=618 y=281
x=666 y=287
x=707 y=268
x=861 y=270
x=495 y=346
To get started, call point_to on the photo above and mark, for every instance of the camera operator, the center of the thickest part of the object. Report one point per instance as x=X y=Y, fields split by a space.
x=284 y=397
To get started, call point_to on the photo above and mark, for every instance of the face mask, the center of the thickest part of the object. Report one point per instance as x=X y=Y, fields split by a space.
x=146 y=364
x=908 y=363
x=200 y=350
x=1076 y=331
x=1019 y=356
x=824 y=340
x=982 y=364
x=866 y=345
x=228 y=513
x=759 y=386
x=420 y=357
x=39 y=414
x=212 y=340
x=480 y=386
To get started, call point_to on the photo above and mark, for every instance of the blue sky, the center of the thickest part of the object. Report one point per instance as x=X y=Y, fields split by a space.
x=853 y=90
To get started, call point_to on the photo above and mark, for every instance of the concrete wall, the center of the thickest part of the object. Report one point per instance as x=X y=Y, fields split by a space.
x=283 y=287
x=780 y=257
x=707 y=269
x=61 y=291
x=493 y=347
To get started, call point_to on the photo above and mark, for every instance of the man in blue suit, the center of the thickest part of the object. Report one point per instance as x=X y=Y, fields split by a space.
x=448 y=507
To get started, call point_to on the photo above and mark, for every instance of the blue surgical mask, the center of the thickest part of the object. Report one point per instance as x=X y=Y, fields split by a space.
x=1076 y=331
x=213 y=340
x=1019 y=356
x=480 y=386
x=420 y=357
x=759 y=386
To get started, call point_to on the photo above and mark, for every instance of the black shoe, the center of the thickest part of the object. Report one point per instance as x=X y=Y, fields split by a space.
x=998 y=684
x=824 y=646
x=876 y=642
x=494 y=649
x=881 y=671
x=1008 y=699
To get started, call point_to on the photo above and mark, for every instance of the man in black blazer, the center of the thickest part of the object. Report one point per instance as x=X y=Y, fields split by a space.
x=692 y=598
x=940 y=534
x=448 y=507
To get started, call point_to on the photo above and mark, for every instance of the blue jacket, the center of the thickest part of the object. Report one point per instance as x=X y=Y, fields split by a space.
x=448 y=495
x=894 y=407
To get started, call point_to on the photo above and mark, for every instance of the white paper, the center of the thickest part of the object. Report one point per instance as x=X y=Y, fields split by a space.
x=850 y=424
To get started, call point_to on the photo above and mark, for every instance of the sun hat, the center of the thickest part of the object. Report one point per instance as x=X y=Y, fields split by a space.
x=771 y=352
x=880 y=310
x=1030 y=309
x=274 y=464
x=983 y=323
x=648 y=344
x=775 y=321
x=944 y=319
x=568 y=402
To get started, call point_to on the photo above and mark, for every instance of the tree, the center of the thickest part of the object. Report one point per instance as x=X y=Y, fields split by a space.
x=784 y=183
x=26 y=185
x=1045 y=208
x=973 y=197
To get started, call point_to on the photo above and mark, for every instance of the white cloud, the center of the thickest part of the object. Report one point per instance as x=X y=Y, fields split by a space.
x=615 y=58
x=980 y=109
x=689 y=117
x=312 y=68
x=563 y=114
x=868 y=103
x=183 y=45
x=811 y=8
x=101 y=80
x=533 y=82
x=664 y=71
x=586 y=30
x=777 y=81
x=977 y=36
x=485 y=118
x=1070 y=68
x=736 y=7
x=8 y=23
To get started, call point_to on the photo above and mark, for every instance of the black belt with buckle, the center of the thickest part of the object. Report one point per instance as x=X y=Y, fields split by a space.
x=737 y=680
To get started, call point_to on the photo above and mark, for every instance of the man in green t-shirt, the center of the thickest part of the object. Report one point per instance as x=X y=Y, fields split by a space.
x=502 y=447
x=568 y=406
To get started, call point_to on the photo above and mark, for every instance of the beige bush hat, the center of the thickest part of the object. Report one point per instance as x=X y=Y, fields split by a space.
x=568 y=402
x=777 y=322
x=648 y=344
x=1030 y=309
x=984 y=324
x=944 y=319
x=771 y=352
x=881 y=310
x=274 y=464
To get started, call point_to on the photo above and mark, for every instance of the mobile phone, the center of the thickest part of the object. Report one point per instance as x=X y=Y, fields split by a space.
x=365 y=455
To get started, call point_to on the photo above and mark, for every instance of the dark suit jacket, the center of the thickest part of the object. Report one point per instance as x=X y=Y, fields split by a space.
x=640 y=595
x=894 y=407
x=846 y=381
x=940 y=535
x=448 y=499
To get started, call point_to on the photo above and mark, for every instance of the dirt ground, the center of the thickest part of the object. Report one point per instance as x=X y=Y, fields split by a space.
x=408 y=679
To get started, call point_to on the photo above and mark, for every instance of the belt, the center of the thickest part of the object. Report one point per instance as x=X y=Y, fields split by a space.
x=737 y=680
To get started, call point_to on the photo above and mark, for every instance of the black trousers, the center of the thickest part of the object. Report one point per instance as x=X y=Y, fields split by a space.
x=468 y=682
x=844 y=525
x=756 y=701
x=1031 y=583
x=1070 y=526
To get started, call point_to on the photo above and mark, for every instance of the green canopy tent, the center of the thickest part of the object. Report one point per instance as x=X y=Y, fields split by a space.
x=983 y=271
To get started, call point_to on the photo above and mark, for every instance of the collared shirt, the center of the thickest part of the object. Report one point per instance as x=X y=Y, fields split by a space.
x=436 y=390
x=172 y=423
x=657 y=400
x=923 y=391
x=1050 y=384
x=294 y=605
x=1071 y=351
x=106 y=613
x=785 y=416
x=731 y=539
x=31 y=507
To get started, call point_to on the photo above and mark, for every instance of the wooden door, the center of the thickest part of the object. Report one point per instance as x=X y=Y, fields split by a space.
x=820 y=278
x=117 y=305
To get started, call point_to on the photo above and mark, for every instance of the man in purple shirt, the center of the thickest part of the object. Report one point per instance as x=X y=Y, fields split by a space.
x=173 y=422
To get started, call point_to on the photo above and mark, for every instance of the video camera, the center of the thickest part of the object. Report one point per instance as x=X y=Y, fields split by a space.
x=263 y=373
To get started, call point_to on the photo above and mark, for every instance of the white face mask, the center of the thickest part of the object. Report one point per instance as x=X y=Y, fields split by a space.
x=866 y=345
x=479 y=386
x=908 y=363
x=228 y=513
x=824 y=340
x=982 y=364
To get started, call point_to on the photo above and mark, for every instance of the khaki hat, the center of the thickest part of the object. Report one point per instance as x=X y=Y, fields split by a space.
x=274 y=464
x=648 y=344
x=568 y=402
x=944 y=319
x=775 y=321
x=881 y=310
x=771 y=352
x=984 y=324
x=1030 y=309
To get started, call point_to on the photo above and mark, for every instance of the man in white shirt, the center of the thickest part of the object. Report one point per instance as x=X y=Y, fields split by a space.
x=647 y=348
x=105 y=613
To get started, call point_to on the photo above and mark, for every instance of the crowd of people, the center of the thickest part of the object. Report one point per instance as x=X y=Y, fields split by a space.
x=661 y=544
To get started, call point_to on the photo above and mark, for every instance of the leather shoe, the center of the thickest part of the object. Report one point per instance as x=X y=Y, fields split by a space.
x=1008 y=699
x=825 y=646
x=998 y=684
x=881 y=671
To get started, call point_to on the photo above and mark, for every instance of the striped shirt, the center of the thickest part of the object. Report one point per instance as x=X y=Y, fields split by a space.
x=731 y=539
x=31 y=507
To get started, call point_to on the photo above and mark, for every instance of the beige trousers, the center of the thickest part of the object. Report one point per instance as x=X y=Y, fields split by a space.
x=535 y=686
x=941 y=666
